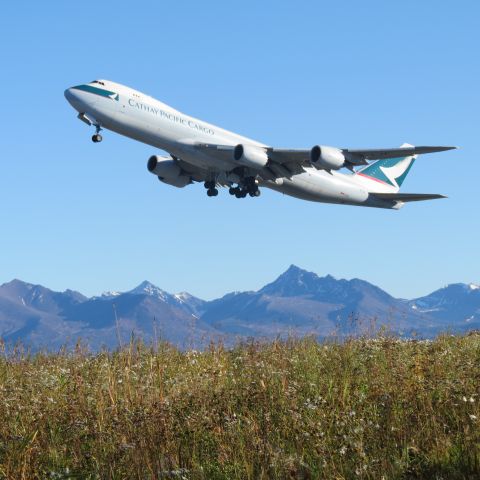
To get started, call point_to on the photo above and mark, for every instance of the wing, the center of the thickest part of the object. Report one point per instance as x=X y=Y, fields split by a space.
x=353 y=156
x=283 y=162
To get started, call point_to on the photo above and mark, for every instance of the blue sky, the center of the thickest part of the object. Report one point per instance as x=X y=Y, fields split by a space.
x=352 y=74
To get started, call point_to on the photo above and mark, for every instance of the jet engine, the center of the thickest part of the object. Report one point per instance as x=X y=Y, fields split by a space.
x=250 y=156
x=168 y=171
x=327 y=158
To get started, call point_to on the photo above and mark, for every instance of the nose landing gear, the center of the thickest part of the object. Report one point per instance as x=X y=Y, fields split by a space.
x=97 y=138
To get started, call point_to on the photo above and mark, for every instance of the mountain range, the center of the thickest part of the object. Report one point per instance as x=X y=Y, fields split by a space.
x=298 y=302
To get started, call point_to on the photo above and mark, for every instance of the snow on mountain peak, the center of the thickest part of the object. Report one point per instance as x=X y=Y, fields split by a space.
x=110 y=294
x=147 y=288
x=183 y=296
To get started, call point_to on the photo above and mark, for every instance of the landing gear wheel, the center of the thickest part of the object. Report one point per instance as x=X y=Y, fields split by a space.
x=254 y=191
x=97 y=138
x=232 y=190
x=241 y=194
x=209 y=185
x=212 y=192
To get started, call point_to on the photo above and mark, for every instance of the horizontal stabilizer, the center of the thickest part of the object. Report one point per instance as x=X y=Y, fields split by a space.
x=408 y=197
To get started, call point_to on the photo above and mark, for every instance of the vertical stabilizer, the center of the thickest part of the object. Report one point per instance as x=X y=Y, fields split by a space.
x=390 y=171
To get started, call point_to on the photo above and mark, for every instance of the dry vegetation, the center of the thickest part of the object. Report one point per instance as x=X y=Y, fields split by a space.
x=379 y=408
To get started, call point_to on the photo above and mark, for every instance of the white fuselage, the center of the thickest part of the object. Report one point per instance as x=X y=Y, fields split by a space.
x=145 y=119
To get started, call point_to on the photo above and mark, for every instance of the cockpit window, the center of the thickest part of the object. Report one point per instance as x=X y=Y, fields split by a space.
x=98 y=81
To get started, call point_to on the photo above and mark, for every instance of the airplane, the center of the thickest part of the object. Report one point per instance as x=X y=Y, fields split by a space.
x=201 y=152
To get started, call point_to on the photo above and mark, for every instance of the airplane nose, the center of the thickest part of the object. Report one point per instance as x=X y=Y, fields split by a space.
x=70 y=95
x=78 y=99
x=81 y=98
x=68 y=92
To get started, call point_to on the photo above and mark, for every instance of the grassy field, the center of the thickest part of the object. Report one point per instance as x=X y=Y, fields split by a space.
x=380 y=408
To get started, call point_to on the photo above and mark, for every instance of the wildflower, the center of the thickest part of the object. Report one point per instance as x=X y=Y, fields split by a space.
x=343 y=450
x=360 y=470
x=472 y=417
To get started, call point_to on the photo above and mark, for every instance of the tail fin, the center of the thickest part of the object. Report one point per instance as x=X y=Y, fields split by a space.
x=391 y=171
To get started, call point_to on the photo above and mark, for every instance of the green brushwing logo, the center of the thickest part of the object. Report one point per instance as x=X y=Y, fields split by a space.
x=391 y=171
x=98 y=91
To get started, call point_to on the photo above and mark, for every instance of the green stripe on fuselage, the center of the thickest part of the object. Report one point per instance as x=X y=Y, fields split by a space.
x=97 y=91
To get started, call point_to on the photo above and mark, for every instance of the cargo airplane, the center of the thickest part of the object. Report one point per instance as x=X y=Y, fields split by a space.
x=201 y=152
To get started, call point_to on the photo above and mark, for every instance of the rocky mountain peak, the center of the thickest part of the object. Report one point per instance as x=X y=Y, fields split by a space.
x=296 y=281
x=148 y=288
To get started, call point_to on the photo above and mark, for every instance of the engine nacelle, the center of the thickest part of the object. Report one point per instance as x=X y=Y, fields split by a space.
x=167 y=171
x=327 y=158
x=250 y=156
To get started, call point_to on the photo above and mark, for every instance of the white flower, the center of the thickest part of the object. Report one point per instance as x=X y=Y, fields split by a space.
x=472 y=417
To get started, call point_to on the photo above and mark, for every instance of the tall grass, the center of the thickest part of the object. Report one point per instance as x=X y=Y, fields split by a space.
x=377 y=408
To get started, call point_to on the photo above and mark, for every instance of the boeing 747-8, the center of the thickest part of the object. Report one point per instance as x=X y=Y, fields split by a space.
x=201 y=152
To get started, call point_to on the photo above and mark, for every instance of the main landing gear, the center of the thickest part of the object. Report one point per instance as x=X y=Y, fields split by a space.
x=247 y=187
x=97 y=138
x=211 y=190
